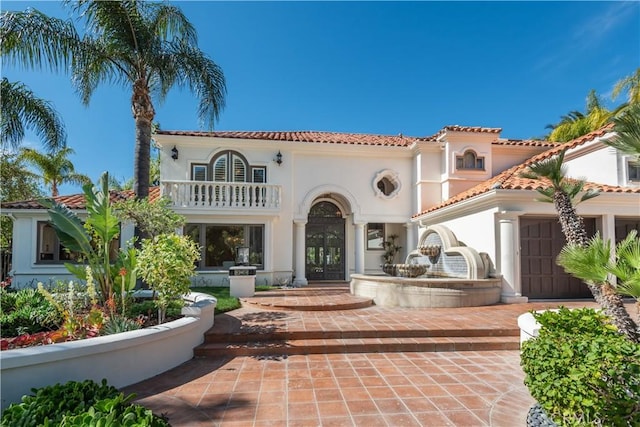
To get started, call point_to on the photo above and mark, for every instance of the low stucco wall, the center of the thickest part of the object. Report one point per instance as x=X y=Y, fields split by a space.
x=529 y=327
x=388 y=291
x=122 y=359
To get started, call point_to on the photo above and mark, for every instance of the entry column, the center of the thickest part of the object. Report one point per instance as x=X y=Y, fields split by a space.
x=509 y=257
x=359 y=248
x=300 y=243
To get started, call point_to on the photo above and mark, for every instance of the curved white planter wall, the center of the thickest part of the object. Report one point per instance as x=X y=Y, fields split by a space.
x=122 y=359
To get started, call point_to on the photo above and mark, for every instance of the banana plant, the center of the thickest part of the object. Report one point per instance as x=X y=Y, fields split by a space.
x=91 y=239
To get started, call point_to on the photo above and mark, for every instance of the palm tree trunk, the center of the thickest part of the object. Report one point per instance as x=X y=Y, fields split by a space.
x=143 y=113
x=54 y=188
x=571 y=223
x=605 y=295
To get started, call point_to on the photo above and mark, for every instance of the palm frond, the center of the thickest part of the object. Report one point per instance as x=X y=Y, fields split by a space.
x=21 y=109
x=546 y=193
x=627 y=127
x=32 y=39
x=191 y=68
x=551 y=168
x=589 y=263
x=169 y=23
x=630 y=84
x=631 y=288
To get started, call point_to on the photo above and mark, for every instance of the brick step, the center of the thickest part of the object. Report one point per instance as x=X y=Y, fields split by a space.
x=357 y=345
x=254 y=336
x=347 y=302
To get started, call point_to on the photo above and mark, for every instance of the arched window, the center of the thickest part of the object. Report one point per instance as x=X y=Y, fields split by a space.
x=469 y=160
x=230 y=166
x=325 y=210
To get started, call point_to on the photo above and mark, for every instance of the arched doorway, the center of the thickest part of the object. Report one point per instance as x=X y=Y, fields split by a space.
x=325 y=242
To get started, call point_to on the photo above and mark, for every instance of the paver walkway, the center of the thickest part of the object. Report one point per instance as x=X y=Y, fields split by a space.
x=419 y=388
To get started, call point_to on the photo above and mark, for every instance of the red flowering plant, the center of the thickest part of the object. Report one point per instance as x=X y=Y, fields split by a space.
x=6 y=283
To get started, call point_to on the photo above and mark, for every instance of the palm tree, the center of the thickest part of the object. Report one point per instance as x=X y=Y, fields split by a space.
x=627 y=128
x=576 y=124
x=630 y=84
x=55 y=168
x=147 y=47
x=22 y=110
x=562 y=191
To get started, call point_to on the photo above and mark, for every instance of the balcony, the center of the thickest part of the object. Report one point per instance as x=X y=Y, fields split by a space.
x=222 y=195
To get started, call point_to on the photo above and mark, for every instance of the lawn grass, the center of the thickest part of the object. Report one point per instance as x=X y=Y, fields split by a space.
x=225 y=301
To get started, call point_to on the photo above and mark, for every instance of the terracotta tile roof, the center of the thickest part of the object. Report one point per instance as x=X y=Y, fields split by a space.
x=306 y=136
x=353 y=138
x=458 y=128
x=510 y=179
x=525 y=142
x=76 y=201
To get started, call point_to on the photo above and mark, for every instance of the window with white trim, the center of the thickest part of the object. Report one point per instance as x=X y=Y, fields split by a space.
x=469 y=161
x=259 y=174
x=49 y=250
x=218 y=243
x=633 y=171
x=199 y=172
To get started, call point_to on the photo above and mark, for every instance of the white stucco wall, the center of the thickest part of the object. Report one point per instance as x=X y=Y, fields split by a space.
x=342 y=172
x=599 y=166
x=26 y=268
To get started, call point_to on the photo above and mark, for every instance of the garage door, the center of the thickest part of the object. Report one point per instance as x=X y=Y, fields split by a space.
x=541 y=240
x=624 y=226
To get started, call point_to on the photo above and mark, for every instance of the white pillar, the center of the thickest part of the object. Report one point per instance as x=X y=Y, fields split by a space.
x=359 y=248
x=508 y=258
x=412 y=242
x=608 y=231
x=300 y=244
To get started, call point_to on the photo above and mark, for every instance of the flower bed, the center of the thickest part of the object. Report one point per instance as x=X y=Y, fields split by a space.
x=122 y=359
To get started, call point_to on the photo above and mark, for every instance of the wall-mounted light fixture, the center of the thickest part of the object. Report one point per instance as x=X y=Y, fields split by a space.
x=278 y=158
x=174 y=153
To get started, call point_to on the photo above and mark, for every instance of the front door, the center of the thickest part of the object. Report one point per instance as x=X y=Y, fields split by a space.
x=325 y=243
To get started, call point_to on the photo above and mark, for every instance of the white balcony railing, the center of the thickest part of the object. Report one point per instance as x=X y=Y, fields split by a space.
x=222 y=195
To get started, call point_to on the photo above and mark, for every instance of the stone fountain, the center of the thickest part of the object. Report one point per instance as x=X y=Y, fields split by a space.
x=441 y=272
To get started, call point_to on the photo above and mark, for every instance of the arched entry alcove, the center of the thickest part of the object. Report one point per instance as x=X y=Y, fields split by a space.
x=325 y=242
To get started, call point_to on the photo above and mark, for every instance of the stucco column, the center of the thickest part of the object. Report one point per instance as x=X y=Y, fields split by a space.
x=412 y=243
x=359 y=248
x=508 y=257
x=608 y=231
x=300 y=242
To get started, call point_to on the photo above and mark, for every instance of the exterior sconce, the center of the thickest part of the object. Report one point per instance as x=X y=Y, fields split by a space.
x=279 y=158
x=174 y=153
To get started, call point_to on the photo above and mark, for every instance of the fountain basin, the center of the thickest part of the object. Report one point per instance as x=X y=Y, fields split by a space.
x=432 y=292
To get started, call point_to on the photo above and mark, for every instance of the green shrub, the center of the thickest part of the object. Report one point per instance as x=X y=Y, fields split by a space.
x=582 y=371
x=51 y=403
x=166 y=263
x=145 y=308
x=27 y=311
x=117 y=324
x=116 y=411
x=149 y=308
x=75 y=403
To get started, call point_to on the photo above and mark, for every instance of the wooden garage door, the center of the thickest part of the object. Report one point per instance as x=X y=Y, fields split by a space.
x=624 y=226
x=541 y=240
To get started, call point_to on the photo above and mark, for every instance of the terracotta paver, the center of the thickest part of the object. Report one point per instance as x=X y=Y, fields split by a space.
x=492 y=393
x=420 y=388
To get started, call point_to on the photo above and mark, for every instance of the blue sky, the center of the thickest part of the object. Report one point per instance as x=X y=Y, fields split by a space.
x=368 y=67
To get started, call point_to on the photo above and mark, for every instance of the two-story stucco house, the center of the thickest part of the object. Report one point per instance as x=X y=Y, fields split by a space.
x=319 y=206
